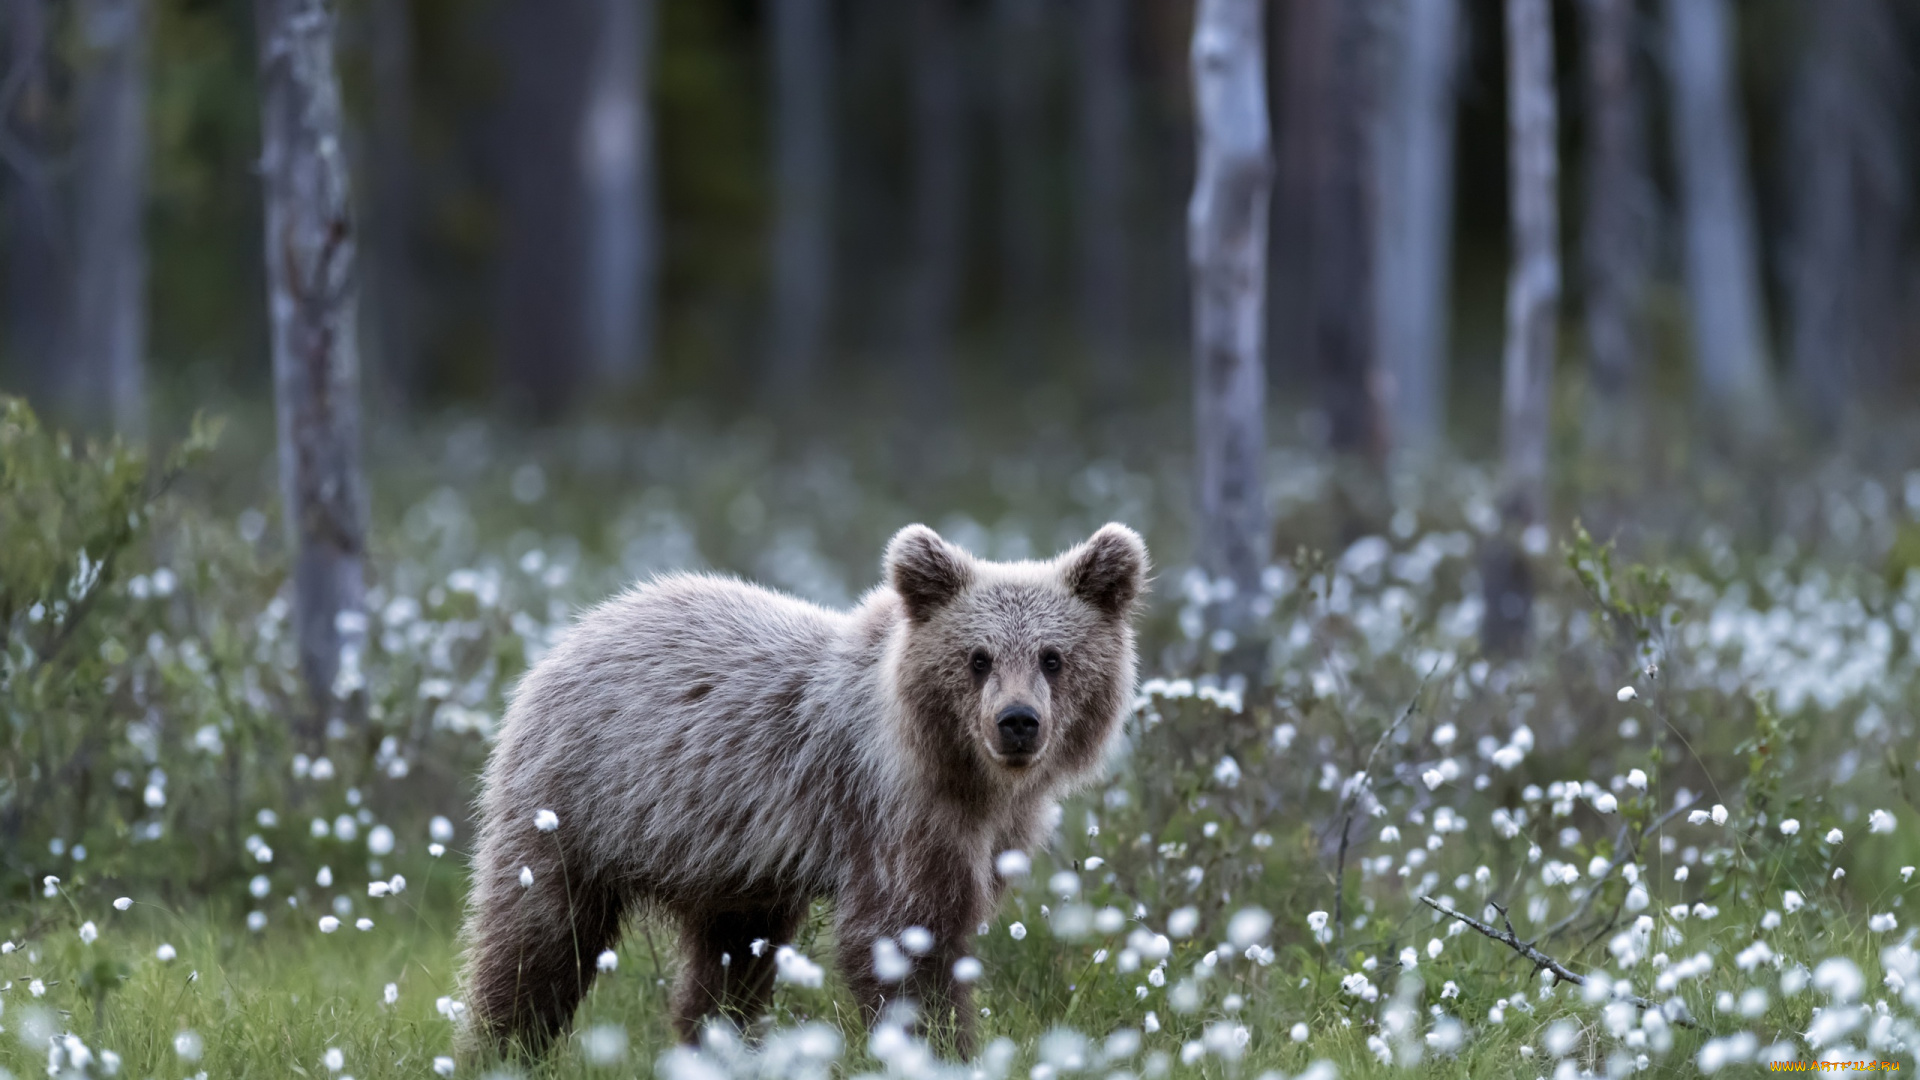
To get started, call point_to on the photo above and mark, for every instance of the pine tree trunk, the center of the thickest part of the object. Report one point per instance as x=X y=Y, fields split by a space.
x=310 y=277
x=1849 y=181
x=39 y=321
x=109 y=297
x=616 y=156
x=939 y=189
x=1227 y=249
x=1101 y=161
x=1533 y=300
x=390 y=205
x=802 y=44
x=1716 y=204
x=1617 y=232
x=1413 y=158
x=1019 y=113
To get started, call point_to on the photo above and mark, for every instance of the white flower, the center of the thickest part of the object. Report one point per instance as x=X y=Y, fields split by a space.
x=916 y=940
x=377 y=889
x=791 y=966
x=1183 y=922
x=1018 y=931
x=608 y=961
x=1881 y=924
x=546 y=820
x=1300 y=1033
x=440 y=829
x=1637 y=779
x=37 y=988
x=526 y=877
x=391 y=993
x=1880 y=822
x=333 y=1059
x=1627 y=693
x=123 y=903
x=363 y=924
x=1508 y=757
x=1835 y=836
x=1789 y=826
x=1013 y=864
x=1433 y=948
x=443 y=1065
x=1248 y=927
x=967 y=969
x=1792 y=901
x=256 y=921
x=1719 y=814
x=1606 y=803
x=380 y=840
x=188 y=1046
x=328 y=924
x=89 y=933
x=165 y=953
x=1432 y=778
x=1409 y=958
x=1316 y=921
x=436 y=849
x=889 y=963
x=1906 y=873
x=1697 y=817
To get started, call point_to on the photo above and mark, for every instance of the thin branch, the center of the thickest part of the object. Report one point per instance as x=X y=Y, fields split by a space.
x=1622 y=854
x=1364 y=781
x=1541 y=961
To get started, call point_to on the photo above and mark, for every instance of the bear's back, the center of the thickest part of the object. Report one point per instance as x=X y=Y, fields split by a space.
x=680 y=725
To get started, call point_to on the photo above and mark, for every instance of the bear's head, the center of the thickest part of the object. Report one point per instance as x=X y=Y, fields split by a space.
x=1017 y=672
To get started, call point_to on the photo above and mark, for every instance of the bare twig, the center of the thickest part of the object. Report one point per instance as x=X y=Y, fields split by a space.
x=1623 y=853
x=1359 y=785
x=1541 y=961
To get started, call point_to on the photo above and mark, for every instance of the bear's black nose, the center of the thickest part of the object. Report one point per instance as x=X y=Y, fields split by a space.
x=1019 y=730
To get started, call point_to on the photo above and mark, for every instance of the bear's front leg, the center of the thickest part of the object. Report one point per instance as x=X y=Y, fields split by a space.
x=944 y=1004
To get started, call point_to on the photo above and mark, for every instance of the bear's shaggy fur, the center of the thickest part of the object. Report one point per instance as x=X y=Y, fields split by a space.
x=724 y=755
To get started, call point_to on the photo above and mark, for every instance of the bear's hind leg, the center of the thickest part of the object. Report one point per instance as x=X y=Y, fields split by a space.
x=534 y=955
x=720 y=973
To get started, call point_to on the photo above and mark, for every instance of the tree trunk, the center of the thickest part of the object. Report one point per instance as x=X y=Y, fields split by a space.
x=1722 y=260
x=310 y=278
x=543 y=247
x=1329 y=206
x=1617 y=233
x=110 y=280
x=39 y=265
x=1019 y=117
x=939 y=188
x=616 y=160
x=390 y=203
x=1227 y=249
x=1413 y=234
x=803 y=154
x=1533 y=300
x=1101 y=163
x=1849 y=182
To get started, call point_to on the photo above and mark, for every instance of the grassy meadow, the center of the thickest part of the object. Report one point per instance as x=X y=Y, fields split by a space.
x=1693 y=790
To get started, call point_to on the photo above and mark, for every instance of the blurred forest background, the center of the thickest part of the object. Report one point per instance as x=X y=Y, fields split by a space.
x=939 y=207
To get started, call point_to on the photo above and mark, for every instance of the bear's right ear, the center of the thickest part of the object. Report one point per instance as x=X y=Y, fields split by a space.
x=1109 y=571
x=925 y=570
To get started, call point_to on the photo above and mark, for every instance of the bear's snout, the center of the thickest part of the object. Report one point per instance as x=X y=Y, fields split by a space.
x=1019 y=733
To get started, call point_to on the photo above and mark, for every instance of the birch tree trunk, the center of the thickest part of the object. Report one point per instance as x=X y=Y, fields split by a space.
x=310 y=279
x=1849 y=181
x=1227 y=249
x=803 y=154
x=389 y=206
x=616 y=162
x=1533 y=299
x=1716 y=204
x=1617 y=232
x=1101 y=163
x=1413 y=233
x=939 y=188
x=110 y=280
x=1019 y=112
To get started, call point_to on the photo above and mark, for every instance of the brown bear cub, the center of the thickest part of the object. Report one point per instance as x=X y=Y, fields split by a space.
x=723 y=755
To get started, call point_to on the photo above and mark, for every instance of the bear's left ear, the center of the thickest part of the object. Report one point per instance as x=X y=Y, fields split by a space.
x=925 y=570
x=1109 y=571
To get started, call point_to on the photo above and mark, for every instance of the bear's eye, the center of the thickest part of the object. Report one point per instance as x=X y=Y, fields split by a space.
x=1050 y=661
x=982 y=663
